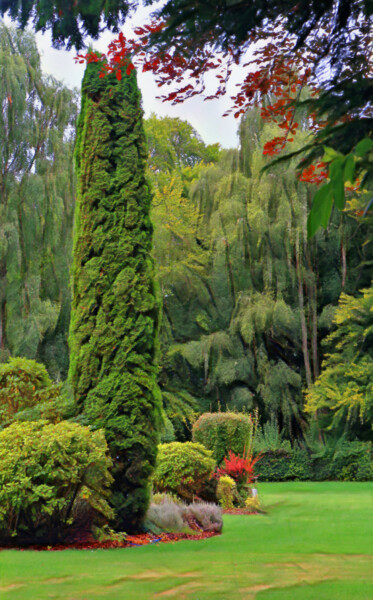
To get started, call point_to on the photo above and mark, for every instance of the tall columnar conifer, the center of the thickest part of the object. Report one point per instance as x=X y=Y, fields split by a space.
x=115 y=310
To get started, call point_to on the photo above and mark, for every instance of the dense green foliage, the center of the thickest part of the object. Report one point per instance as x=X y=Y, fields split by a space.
x=46 y=471
x=343 y=394
x=37 y=119
x=247 y=298
x=221 y=432
x=347 y=461
x=317 y=458
x=182 y=468
x=115 y=310
x=25 y=384
x=70 y=21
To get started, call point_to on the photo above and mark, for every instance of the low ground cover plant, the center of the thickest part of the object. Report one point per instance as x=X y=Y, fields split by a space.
x=172 y=515
x=52 y=477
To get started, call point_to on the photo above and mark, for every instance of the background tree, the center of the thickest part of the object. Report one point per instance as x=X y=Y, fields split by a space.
x=343 y=394
x=325 y=47
x=177 y=155
x=115 y=309
x=36 y=205
x=247 y=298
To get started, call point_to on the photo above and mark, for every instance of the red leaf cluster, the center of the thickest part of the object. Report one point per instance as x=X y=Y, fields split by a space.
x=315 y=173
x=240 y=468
x=276 y=71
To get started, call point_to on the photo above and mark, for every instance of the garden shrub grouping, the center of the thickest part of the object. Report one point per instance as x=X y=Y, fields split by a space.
x=53 y=478
x=55 y=474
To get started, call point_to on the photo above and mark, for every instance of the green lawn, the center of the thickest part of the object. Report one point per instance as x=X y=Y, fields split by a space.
x=315 y=543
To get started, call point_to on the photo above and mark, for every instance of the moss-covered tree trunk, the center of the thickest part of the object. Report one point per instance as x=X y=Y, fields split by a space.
x=115 y=311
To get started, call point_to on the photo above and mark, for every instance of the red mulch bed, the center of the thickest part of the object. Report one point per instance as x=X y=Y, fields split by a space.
x=239 y=511
x=131 y=541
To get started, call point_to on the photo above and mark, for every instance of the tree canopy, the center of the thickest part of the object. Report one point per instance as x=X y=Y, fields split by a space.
x=37 y=120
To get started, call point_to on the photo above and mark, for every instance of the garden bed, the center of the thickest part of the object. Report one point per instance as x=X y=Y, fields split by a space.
x=241 y=511
x=131 y=541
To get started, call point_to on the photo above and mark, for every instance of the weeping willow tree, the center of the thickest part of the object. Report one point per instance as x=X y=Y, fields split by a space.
x=115 y=308
x=37 y=119
x=247 y=331
x=177 y=156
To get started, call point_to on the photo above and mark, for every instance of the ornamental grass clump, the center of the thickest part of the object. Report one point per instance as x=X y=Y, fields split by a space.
x=172 y=516
x=165 y=516
x=207 y=515
x=53 y=478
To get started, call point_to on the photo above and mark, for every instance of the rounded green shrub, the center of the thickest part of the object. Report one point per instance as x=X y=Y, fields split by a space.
x=221 y=432
x=49 y=475
x=25 y=384
x=182 y=468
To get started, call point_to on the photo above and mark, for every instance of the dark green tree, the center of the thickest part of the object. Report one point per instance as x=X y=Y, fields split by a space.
x=37 y=121
x=115 y=308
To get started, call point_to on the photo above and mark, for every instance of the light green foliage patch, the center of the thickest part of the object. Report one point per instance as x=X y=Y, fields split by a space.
x=182 y=468
x=225 y=491
x=28 y=393
x=344 y=390
x=46 y=470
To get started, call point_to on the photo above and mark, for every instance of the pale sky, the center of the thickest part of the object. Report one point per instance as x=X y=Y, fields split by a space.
x=205 y=117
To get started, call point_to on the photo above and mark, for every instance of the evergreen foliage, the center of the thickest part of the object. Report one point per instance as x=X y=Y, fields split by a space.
x=37 y=120
x=182 y=469
x=46 y=472
x=115 y=309
x=69 y=20
x=222 y=432
x=24 y=384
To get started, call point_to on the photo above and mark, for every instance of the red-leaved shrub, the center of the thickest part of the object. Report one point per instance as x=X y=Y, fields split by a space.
x=240 y=468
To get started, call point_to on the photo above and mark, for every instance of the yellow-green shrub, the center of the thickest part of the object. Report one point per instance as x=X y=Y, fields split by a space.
x=182 y=468
x=47 y=471
x=225 y=491
x=252 y=503
x=25 y=385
